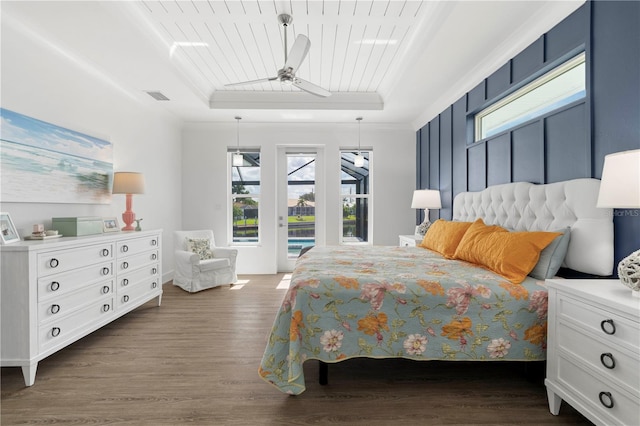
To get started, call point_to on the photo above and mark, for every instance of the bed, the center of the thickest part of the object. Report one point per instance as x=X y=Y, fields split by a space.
x=410 y=302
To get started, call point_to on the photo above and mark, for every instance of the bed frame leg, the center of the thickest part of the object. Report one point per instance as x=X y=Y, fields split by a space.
x=323 y=373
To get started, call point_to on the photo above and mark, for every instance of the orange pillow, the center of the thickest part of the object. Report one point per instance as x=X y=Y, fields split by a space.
x=444 y=236
x=510 y=254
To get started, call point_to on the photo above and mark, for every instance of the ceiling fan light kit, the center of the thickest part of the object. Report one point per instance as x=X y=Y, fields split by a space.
x=292 y=61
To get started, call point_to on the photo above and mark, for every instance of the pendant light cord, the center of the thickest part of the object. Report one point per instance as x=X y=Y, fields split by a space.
x=359 y=127
x=238 y=134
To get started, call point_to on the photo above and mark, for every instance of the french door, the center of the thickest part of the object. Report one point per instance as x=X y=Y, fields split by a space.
x=300 y=201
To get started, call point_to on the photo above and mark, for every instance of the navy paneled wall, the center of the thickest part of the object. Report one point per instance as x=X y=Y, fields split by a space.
x=566 y=144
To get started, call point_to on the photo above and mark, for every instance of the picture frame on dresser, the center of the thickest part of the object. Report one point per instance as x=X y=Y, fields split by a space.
x=8 y=232
x=110 y=224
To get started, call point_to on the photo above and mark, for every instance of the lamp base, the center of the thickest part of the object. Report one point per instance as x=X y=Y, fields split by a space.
x=629 y=272
x=128 y=218
x=422 y=229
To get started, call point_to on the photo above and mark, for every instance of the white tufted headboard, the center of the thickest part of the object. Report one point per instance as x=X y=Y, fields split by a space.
x=523 y=206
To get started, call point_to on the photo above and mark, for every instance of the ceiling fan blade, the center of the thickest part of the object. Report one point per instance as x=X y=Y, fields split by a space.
x=298 y=53
x=261 y=80
x=310 y=87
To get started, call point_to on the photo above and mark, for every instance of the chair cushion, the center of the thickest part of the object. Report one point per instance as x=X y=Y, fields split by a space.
x=200 y=246
x=213 y=264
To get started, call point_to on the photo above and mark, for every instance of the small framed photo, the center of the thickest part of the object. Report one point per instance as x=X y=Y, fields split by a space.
x=8 y=232
x=110 y=224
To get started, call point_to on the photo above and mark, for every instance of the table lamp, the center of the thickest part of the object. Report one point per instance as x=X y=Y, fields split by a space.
x=620 y=188
x=425 y=199
x=128 y=183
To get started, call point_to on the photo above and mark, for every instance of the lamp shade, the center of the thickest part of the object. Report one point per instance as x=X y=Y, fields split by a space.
x=128 y=183
x=426 y=199
x=620 y=183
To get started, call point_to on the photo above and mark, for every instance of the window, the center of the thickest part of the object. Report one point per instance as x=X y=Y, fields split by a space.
x=355 y=192
x=555 y=89
x=245 y=198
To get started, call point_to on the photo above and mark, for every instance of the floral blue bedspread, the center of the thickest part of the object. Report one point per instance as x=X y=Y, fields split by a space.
x=400 y=302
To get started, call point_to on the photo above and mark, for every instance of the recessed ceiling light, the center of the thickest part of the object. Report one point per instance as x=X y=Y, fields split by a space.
x=177 y=44
x=376 y=41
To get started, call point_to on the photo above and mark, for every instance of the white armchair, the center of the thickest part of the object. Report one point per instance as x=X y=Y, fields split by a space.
x=199 y=264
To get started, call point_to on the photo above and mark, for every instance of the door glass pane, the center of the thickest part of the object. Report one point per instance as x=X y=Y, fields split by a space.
x=355 y=220
x=301 y=202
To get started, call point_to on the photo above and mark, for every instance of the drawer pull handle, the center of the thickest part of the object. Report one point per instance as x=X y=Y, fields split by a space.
x=55 y=286
x=154 y=256
x=55 y=331
x=125 y=265
x=105 y=289
x=154 y=271
x=54 y=263
x=105 y=252
x=106 y=307
x=126 y=298
x=125 y=282
x=154 y=284
x=154 y=242
x=606 y=399
x=55 y=309
x=607 y=360
x=125 y=248
x=105 y=271
x=608 y=326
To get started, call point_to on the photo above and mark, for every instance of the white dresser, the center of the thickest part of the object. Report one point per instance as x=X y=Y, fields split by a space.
x=593 y=354
x=56 y=291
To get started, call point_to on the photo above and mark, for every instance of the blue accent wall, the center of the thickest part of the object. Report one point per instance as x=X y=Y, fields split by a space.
x=566 y=144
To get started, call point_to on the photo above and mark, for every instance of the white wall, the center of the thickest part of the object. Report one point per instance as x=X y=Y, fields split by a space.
x=42 y=82
x=206 y=184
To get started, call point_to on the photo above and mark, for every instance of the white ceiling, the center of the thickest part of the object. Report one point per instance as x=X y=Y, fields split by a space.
x=392 y=61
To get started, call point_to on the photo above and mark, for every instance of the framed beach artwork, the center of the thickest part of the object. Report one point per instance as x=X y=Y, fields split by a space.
x=44 y=163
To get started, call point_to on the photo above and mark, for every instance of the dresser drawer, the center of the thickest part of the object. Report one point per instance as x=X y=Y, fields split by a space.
x=594 y=393
x=58 y=307
x=131 y=263
x=59 y=331
x=129 y=295
x=610 y=326
x=137 y=245
x=57 y=285
x=55 y=262
x=138 y=276
x=621 y=366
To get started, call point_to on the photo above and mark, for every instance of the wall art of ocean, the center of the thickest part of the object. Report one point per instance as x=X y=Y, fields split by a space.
x=45 y=163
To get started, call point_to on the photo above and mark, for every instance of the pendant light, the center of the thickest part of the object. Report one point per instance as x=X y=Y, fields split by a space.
x=237 y=159
x=358 y=160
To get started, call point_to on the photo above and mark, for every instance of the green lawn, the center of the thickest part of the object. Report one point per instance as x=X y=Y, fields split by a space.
x=290 y=219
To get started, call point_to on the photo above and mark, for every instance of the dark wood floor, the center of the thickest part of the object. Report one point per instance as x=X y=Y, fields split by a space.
x=194 y=360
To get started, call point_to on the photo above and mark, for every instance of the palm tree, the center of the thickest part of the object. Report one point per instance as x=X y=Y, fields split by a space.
x=302 y=202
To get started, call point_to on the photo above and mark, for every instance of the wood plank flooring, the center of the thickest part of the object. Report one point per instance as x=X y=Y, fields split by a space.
x=194 y=360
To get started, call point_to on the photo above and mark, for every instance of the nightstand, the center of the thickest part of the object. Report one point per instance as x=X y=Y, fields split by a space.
x=409 y=240
x=593 y=350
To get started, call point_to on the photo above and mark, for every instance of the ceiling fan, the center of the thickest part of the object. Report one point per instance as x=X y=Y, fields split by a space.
x=287 y=74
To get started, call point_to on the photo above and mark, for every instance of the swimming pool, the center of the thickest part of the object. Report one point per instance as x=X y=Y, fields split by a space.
x=297 y=244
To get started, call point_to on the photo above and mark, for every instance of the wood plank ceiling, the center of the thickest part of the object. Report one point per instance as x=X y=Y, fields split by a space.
x=354 y=44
